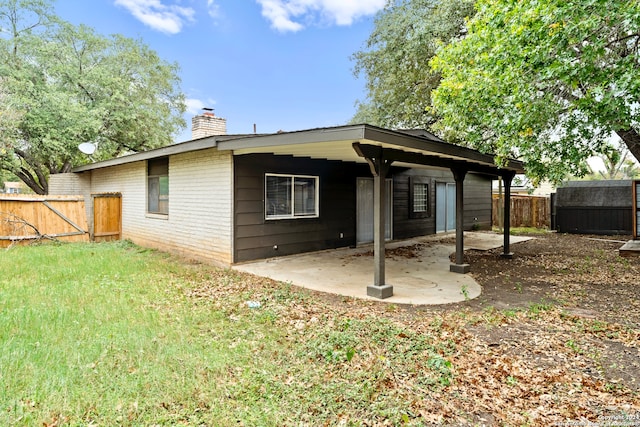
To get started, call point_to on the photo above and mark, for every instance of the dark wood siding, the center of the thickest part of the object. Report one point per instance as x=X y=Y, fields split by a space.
x=477 y=202
x=255 y=237
x=403 y=225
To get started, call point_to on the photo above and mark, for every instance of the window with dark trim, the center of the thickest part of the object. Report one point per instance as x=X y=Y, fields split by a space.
x=291 y=196
x=419 y=200
x=158 y=186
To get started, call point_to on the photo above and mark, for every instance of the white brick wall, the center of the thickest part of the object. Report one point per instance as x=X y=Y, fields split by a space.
x=207 y=125
x=199 y=224
x=69 y=184
x=73 y=184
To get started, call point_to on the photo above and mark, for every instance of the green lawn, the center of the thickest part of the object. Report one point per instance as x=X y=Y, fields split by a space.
x=115 y=335
x=111 y=334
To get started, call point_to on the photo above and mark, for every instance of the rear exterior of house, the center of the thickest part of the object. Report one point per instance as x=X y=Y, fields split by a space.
x=345 y=213
x=226 y=199
x=216 y=210
x=196 y=221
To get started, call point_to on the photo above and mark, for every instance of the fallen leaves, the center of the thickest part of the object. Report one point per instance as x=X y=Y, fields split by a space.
x=536 y=363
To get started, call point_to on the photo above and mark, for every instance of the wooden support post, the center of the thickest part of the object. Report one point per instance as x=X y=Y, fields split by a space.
x=379 y=168
x=507 y=177
x=636 y=209
x=459 y=267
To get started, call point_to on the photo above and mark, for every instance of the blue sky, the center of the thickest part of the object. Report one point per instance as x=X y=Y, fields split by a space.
x=281 y=64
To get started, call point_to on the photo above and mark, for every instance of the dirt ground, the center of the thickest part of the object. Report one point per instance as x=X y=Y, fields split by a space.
x=582 y=277
x=585 y=277
x=554 y=338
x=584 y=274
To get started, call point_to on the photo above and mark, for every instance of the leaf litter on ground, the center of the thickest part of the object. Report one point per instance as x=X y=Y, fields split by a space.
x=533 y=365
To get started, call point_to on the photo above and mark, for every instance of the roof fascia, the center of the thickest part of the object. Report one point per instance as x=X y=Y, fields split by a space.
x=184 y=147
x=435 y=146
x=351 y=133
x=374 y=151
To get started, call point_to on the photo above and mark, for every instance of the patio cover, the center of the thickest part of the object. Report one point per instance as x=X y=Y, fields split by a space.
x=380 y=148
x=362 y=143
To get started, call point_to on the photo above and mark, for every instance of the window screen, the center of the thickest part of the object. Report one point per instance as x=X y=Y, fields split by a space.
x=158 y=186
x=419 y=200
x=291 y=196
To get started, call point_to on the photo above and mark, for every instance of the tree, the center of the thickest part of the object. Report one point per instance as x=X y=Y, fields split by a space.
x=407 y=33
x=617 y=164
x=63 y=85
x=544 y=80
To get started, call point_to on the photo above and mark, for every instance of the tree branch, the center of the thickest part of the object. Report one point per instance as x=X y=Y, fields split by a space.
x=40 y=186
x=632 y=140
x=18 y=227
x=66 y=167
x=26 y=177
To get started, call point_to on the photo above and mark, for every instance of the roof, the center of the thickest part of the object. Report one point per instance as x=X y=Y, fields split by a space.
x=409 y=148
x=13 y=184
x=599 y=183
x=599 y=193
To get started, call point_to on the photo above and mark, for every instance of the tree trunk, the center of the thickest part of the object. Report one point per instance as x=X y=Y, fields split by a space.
x=632 y=140
x=26 y=177
x=37 y=180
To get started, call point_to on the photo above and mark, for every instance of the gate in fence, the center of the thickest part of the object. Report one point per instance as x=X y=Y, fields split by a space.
x=107 y=216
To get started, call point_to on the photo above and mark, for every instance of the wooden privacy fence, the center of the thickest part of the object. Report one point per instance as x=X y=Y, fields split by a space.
x=526 y=211
x=27 y=218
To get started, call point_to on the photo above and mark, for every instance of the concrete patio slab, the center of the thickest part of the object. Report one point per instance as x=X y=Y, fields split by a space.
x=630 y=249
x=418 y=269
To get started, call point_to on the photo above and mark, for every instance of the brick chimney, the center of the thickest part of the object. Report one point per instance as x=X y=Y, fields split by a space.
x=207 y=124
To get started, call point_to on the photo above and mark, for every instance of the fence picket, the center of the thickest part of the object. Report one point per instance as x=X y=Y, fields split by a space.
x=59 y=217
x=526 y=211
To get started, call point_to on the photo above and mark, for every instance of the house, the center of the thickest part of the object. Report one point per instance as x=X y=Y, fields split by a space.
x=14 y=187
x=227 y=199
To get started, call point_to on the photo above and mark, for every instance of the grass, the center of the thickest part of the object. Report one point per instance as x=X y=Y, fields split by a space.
x=94 y=332
x=517 y=231
x=111 y=334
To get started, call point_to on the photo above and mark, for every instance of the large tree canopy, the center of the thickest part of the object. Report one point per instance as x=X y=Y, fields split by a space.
x=407 y=33
x=61 y=85
x=544 y=80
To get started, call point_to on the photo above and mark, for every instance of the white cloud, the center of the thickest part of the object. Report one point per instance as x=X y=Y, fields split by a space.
x=213 y=9
x=155 y=14
x=285 y=15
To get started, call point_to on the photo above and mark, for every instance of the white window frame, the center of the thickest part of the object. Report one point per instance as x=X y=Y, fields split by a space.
x=292 y=214
x=419 y=182
x=421 y=197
